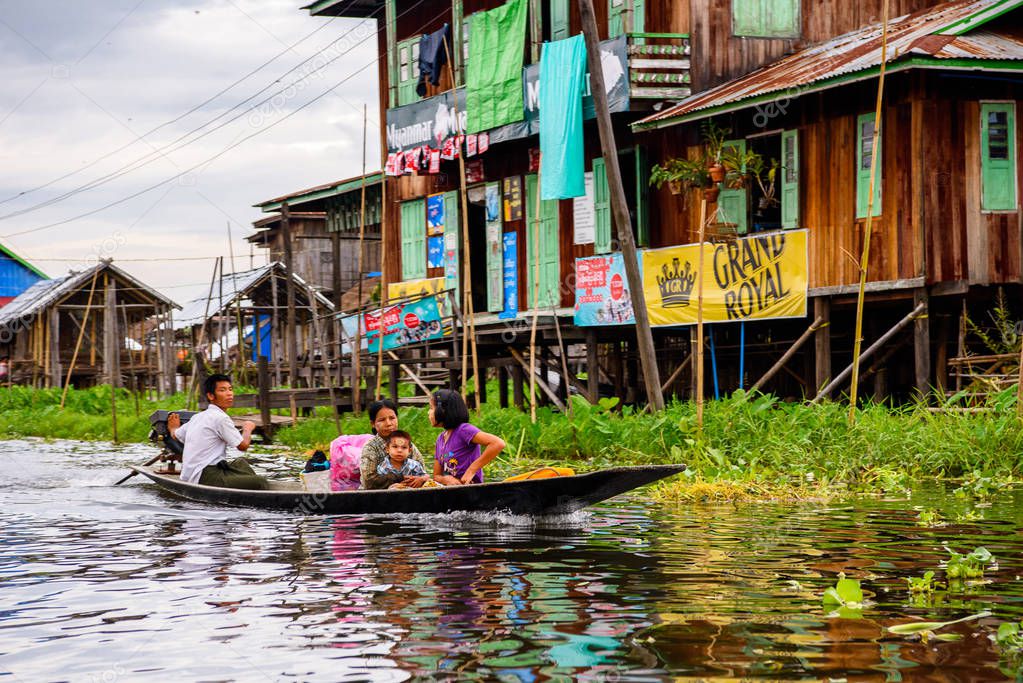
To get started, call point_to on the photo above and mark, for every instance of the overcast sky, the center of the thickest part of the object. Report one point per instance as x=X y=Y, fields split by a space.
x=83 y=79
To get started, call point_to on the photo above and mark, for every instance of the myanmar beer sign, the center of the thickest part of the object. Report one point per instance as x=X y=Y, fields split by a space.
x=758 y=277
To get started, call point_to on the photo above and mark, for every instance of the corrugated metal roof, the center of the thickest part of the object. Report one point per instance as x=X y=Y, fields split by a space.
x=42 y=294
x=237 y=286
x=916 y=34
x=322 y=191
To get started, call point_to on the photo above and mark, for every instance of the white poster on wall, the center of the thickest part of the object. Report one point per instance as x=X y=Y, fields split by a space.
x=584 y=214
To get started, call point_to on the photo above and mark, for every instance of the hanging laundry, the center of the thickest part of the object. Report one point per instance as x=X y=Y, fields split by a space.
x=562 y=81
x=493 y=74
x=433 y=55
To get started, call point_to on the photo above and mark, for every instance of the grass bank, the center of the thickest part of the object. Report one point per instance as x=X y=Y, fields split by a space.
x=750 y=447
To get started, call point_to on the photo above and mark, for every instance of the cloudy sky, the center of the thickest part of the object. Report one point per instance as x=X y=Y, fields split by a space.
x=97 y=108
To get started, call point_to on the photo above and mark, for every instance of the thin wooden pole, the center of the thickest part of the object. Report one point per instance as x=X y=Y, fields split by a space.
x=196 y=355
x=132 y=387
x=865 y=258
x=467 y=306
x=564 y=360
x=620 y=209
x=238 y=311
x=384 y=274
x=289 y=287
x=357 y=351
x=323 y=357
x=276 y=338
x=536 y=299
x=78 y=343
x=788 y=354
x=699 y=317
x=824 y=392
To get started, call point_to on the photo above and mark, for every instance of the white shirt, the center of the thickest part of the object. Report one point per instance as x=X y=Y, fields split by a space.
x=206 y=437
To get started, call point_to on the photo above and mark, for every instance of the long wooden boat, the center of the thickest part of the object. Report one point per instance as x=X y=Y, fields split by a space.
x=555 y=496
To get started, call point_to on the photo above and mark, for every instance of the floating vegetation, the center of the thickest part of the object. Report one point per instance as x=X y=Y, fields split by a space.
x=845 y=596
x=923 y=585
x=967 y=568
x=1009 y=640
x=926 y=629
x=929 y=517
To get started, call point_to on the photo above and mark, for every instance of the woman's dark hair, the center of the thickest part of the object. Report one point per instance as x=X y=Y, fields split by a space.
x=449 y=409
x=376 y=406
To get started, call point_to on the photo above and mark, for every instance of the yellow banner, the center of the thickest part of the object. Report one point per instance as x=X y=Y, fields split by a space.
x=411 y=288
x=753 y=278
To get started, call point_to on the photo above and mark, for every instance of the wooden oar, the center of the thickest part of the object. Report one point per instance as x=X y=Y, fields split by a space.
x=134 y=472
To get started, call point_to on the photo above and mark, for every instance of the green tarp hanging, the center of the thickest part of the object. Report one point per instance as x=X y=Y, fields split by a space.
x=493 y=78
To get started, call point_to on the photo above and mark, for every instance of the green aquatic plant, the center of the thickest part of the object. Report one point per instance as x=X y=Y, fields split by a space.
x=923 y=585
x=1009 y=641
x=980 y=486
x=926 y=629
x=929 y=517
x=968 y=567
x=845 y=593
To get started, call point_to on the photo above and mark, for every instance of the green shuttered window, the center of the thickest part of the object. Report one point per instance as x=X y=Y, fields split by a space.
x=998 y=156
x=549 y=251
x=765 y=18
x=733 y=204
x=601 y=208
x=559 y=19
x=790 y=179
x=625 y=16
x=408 y=70
x=413 y=240
x=864 y=152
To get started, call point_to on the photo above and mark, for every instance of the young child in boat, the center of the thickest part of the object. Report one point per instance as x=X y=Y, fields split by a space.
x=397 y=466
x=458 y=458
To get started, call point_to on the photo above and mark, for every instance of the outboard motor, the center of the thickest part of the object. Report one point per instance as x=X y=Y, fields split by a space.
x=161 y=435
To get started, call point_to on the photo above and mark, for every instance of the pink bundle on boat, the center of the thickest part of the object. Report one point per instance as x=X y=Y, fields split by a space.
x=345 y=452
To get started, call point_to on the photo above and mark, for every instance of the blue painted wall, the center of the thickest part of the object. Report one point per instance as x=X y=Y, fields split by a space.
x=14 y=277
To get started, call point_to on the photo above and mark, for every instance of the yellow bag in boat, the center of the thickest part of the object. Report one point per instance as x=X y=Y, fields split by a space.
x=543 y=473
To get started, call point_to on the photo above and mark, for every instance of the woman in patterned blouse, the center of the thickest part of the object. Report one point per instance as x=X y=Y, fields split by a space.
x=383 y=418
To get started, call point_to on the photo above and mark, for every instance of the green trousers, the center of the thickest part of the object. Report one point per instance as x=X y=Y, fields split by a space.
x=232 y=474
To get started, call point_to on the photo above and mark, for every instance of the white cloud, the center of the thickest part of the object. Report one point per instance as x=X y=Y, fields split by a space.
x=77 y=88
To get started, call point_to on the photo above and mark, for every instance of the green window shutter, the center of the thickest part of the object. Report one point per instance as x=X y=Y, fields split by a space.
x=998 y=156
x=619 y=20
x=559 y=19
x=457 y=36
x=642 y=189
x=408 y=71
x=864 y=149
x=732 y=204
x=413 y=240
x=789 y=179
x=495 y=257
x=452 y=226
x=601 y=208
x=549 y=251
x=766 y=18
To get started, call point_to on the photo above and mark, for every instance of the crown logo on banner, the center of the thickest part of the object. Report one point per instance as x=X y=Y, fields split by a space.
x=676 y=285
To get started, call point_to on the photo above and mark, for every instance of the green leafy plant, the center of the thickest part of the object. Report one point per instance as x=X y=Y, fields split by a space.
x=979 y=485
x=923 y=585
x=1001 y=336
x=845 y=593
x=930 y=517
x=968 y=567
x=1009 y=640
x=926 y=629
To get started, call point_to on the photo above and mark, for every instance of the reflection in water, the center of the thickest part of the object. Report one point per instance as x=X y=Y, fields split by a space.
x=103 y=583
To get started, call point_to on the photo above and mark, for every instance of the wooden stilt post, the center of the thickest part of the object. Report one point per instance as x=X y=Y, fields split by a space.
x=536 y=300
x=132 y=377
x=323 y=356
x=826 y=391
x=865 y=258
x=357 y=349
x=564 y=361
x=197 y=357
x=592 y=366
x=822 y=343
x=796 y=345
x=289 y=287
x=263 y=379
x=922 y=345
x=78 y=343
x=620 y=210
x=53 y=371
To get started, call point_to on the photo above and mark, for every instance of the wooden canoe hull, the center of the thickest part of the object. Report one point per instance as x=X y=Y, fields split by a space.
x=555 y=496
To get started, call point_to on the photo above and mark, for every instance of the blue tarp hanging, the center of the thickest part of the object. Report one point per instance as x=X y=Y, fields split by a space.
x=562 y=80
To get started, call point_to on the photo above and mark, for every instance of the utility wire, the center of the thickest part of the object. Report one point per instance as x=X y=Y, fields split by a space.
x=177 y=118
x=219 y=154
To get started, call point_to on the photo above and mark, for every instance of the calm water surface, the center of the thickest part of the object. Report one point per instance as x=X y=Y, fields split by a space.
x=118 y=584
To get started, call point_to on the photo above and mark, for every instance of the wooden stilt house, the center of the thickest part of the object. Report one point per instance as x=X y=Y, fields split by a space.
x=86 y=328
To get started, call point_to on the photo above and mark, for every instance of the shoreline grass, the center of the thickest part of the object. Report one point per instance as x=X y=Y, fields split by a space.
x=751 y=447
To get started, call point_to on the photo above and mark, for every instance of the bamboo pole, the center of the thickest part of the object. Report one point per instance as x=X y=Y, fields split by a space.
x=132 y=386
x=536 y=299
x=78 y=343
x=196 y=357
x=238 y=311
x=467 y=308
x=817 y=324
x=357 y=353
x=564 y=360
x=323 y=357
x=699 y=317
x=865 y=258
x=384 y=214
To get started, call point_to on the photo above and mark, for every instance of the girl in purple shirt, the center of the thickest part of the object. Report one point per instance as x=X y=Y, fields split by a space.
x=457 y=458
